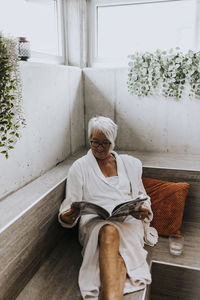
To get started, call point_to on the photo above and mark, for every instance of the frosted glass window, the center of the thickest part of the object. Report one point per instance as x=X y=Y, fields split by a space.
x=124 y=29
x=34 y=19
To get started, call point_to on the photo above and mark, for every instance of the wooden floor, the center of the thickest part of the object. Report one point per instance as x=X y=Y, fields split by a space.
x=57 y=277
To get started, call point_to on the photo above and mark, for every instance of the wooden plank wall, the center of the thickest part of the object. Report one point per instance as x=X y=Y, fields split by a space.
x=172 y=282
x=26 y=243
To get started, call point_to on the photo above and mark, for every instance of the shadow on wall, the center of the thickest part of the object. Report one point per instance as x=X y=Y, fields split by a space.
x=100 y=100
x=127 y=132
x=77 y=132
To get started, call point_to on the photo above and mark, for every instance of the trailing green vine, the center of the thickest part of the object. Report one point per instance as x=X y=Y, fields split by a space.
x=172 y=74
x=11 y=112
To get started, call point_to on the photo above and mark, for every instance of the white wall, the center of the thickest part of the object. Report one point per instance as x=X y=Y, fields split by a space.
x=54 y=111
x=146 y=124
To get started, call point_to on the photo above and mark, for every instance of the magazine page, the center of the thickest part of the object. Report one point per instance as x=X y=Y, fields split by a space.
x=126 y=208
x=87 y=208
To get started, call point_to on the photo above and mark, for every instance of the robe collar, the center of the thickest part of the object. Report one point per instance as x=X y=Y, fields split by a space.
x=94 y=165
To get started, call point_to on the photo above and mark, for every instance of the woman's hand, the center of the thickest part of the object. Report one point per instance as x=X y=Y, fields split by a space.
x=141 y=214
x=69 y=216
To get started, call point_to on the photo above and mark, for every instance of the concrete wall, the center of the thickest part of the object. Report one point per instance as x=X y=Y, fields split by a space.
x=146 y=124
x=54 y=111
x=76 y=32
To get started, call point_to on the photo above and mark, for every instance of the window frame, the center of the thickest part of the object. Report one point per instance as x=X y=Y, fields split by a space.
x=93 y=60
x=43 y=57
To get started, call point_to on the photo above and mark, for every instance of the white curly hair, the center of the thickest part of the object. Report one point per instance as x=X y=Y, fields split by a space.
x=105 y=125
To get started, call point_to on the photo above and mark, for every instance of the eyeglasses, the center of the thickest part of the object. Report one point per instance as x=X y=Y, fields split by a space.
x=96 y=144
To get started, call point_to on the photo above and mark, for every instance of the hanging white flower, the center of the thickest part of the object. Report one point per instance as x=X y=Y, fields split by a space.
x=169 y=71
x=178 y=60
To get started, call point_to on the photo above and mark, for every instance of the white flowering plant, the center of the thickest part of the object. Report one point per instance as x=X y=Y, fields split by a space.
x=11 y=112
x=165 y=73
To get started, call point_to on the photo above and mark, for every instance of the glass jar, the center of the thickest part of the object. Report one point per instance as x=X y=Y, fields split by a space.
x=24 y=51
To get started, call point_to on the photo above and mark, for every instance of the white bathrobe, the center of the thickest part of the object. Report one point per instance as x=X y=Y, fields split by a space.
x=86 y=182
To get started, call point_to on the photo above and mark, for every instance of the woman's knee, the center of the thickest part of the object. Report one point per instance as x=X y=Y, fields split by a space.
x=108 y=234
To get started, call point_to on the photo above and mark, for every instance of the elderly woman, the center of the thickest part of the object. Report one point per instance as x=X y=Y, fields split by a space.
x=114 y=260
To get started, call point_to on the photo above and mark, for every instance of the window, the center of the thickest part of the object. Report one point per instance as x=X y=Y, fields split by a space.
x=39 y=21
x=123 y=27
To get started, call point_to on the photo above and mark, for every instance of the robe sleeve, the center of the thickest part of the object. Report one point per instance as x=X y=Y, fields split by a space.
x=150 y=233
x=142 y=190
x=74 y=191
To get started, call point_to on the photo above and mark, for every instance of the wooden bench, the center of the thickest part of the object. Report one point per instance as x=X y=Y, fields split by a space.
x=40 y=260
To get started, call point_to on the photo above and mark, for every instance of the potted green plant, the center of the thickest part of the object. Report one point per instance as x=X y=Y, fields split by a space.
x=11 y=112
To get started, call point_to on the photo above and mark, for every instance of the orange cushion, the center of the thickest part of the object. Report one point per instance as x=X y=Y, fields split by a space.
x=167 y=203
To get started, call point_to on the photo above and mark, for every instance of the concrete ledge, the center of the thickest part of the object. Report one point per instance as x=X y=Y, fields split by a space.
x=18 y=203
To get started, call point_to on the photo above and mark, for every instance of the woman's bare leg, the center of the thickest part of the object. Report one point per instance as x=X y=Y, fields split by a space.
x=112 y=267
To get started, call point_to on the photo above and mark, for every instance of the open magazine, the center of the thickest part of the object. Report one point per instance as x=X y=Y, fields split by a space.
x=122 y=209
